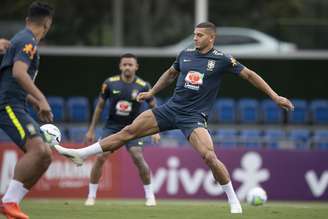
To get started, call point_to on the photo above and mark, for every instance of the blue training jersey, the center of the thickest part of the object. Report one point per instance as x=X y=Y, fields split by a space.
x=199 y=79
x=123 y=108
x=23 y=48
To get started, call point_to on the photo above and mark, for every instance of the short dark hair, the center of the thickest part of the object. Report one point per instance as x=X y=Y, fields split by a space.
x=129 y=55
x=39 y=10
x=208 y=25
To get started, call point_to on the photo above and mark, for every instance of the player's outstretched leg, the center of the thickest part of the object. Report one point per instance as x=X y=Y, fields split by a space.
x=144 y=173
x=27 y=172
x=95 y=175
x=145 y=124
x=201 y=140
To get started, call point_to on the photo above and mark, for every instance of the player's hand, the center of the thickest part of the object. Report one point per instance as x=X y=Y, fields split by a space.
x=155 y=138
x=144 y=96
x=4 y=45
x=45 y=114
x=89 y=137
x=284 y=103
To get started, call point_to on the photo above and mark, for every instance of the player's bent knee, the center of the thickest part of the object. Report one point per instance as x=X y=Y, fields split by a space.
x=41 y=150
x=210 y=157
x=129 y=133
x=36 y=145
x=46 y=154
x=138 y=159
x=102 y=158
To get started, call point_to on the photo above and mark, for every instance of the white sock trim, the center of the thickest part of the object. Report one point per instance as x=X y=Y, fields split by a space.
x=230 y=192
x=15 y=192
x=92 y=190
x=149 y=192
x=90 y=150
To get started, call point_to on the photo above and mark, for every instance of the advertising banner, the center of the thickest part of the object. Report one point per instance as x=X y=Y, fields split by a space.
x=181 y=173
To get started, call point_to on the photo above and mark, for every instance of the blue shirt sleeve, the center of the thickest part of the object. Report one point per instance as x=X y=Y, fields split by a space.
x=233 y=66
x=176 y=63
x=25 y=51
x=105 y=91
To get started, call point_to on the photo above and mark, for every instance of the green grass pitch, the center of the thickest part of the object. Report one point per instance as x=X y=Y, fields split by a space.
x=167 y=209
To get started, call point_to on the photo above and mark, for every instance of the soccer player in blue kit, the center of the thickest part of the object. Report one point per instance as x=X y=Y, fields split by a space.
x=17 y=74
x=122 y=91
x=199 y=72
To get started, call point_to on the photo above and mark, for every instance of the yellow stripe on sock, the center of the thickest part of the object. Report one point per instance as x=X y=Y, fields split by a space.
x=15 y=121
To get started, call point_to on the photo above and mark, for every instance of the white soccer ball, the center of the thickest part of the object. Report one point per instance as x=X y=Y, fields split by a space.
x=51 y=134
x=256 y=196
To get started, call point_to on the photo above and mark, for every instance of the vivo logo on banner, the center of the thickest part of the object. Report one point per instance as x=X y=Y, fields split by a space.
x=250 y=175
x=191 y=182
x=317 y=185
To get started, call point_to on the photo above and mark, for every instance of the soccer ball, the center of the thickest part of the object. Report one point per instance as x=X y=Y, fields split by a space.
x=257 y=196
x=51 y=134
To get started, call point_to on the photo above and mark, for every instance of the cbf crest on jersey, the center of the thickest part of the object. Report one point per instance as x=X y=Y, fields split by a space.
x=210 y=65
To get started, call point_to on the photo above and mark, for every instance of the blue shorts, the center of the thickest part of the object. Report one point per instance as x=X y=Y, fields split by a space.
x=169 y=118
x=18 y=125
x=112 y=130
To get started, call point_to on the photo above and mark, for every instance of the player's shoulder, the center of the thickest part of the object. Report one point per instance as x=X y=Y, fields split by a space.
x=139 y=81
x=24 y=37
x=222 y=55
x=187 y=51
x=25 y=41
x=113 y=79
x=217 y=53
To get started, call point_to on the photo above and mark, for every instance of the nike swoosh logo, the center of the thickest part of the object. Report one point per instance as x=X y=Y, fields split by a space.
x=116 y=91
x=186 y=60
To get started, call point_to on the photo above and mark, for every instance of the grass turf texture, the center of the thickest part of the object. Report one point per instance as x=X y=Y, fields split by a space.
x=167 y=209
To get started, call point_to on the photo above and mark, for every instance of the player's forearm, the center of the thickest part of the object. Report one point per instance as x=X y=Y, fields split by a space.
x=165 y=80
x=259 y=83
x=28 y=85
x=32 y=100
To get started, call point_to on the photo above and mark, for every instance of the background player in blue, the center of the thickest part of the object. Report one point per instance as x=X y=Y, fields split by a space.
x=199 y=72
x=17 y=73
x=122 y=91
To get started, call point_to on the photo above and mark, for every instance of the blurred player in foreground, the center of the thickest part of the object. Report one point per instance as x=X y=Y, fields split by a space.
x=18 y=70
x=199 y=72
x=122 y=91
